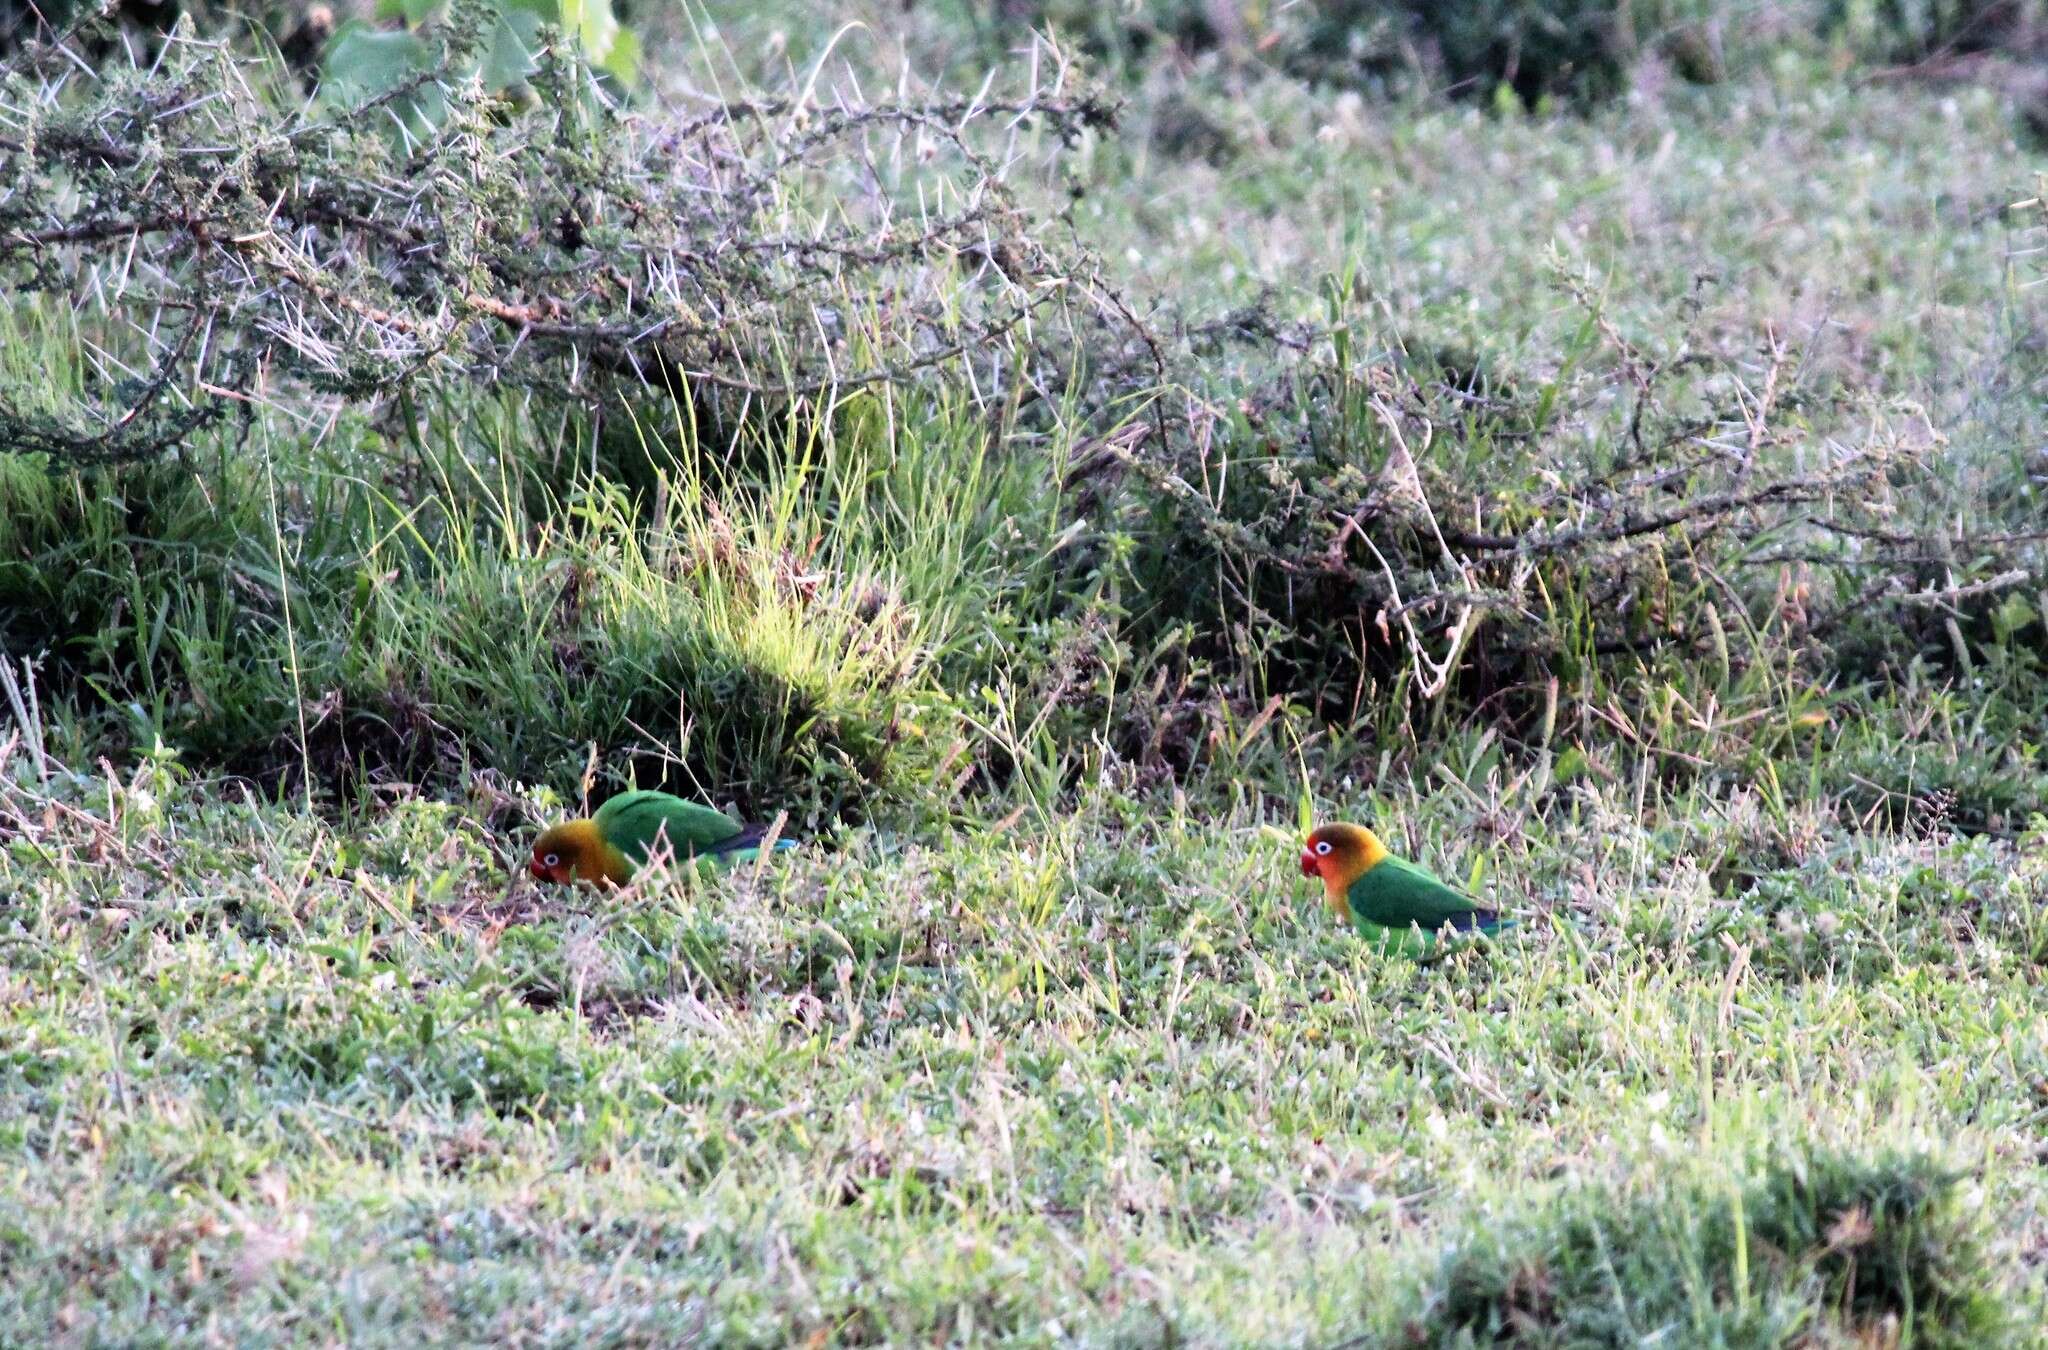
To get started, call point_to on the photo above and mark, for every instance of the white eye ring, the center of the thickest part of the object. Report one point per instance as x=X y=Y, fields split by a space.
x=552 y=860
x=1324 y=848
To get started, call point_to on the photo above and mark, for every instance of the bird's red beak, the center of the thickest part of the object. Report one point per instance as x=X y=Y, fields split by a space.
x=1309 y=866
x=539 y=872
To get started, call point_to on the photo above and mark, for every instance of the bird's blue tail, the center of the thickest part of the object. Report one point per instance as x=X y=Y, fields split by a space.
x=747 y=841
x=1477 y=921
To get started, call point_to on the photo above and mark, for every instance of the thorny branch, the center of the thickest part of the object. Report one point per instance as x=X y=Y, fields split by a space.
x=1326 y=505
x=771 y=249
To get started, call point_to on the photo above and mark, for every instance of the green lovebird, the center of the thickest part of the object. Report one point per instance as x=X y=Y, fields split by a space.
x=606 y=849
x=1393 y=903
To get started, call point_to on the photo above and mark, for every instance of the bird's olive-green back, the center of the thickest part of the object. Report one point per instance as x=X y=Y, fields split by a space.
x=1396 y=894
x=631 y=821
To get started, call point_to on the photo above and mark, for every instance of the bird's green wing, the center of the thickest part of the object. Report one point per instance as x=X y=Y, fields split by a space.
x=1396 y=894
x=632 y=821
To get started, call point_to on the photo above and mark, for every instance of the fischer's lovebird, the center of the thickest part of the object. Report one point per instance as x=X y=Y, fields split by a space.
x=607 y=848
x=1394 y=903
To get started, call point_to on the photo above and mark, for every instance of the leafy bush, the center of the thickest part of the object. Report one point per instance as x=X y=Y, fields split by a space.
x=362 y=61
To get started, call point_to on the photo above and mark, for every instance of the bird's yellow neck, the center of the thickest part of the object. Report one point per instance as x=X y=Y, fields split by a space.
x=596 y=859
x=1362 y=853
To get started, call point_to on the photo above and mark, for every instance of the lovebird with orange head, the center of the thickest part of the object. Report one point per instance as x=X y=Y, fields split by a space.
x=1394 y=904
x=608 y=848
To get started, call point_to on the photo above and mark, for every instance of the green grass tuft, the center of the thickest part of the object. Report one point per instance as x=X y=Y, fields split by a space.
x=1881 y=1248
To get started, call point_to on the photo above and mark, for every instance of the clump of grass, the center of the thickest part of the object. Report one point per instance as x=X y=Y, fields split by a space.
x=724 y=649
x=1892 y=1241
x=788 y=624
x=732 y=650
x=1827 y=1245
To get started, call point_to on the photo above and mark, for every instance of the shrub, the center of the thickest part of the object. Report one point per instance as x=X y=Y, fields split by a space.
x=723 y=261
x=847 y=538
x=1578 y=52
x=1578 y=49
x=1918 y=30
x=1416 y=530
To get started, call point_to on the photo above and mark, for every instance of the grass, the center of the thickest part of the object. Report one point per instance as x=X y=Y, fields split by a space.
x=1041 y=1038
x=1118 y=1079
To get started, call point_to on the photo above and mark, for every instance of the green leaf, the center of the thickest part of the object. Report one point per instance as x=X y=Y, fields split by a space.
x=623 y=63
x=2013 y=614
x=363 y=63
x=595 y=26
x=411 y=11
x=591 y=24
x=512 y=52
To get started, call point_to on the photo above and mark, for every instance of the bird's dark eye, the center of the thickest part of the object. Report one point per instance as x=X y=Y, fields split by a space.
x=1323 y=848
x=552 y=860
